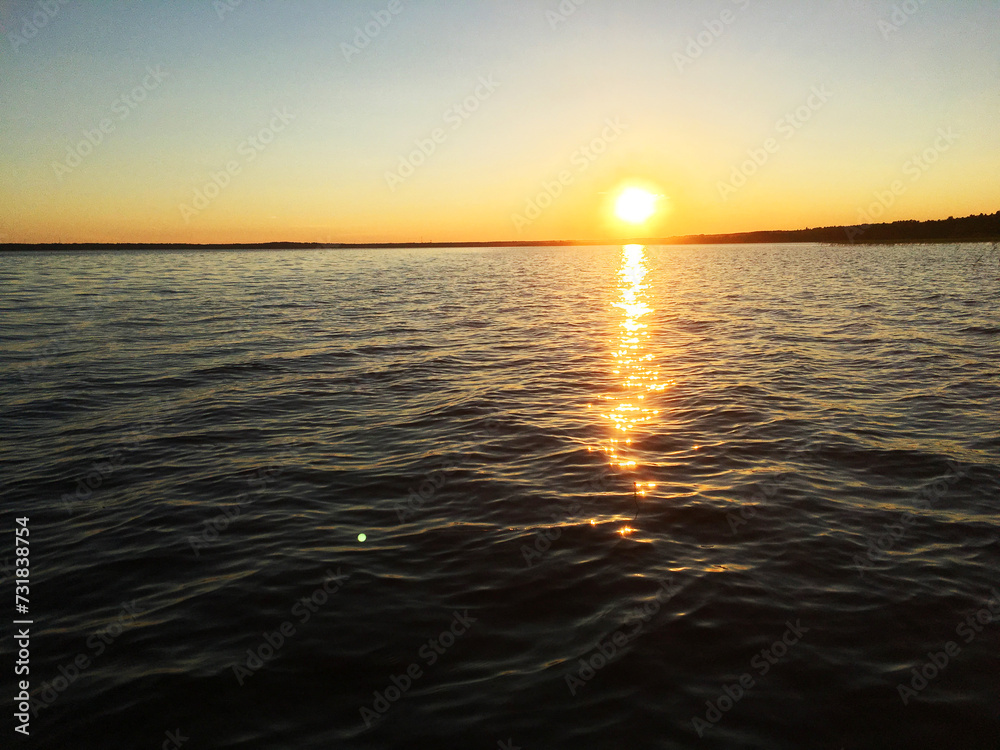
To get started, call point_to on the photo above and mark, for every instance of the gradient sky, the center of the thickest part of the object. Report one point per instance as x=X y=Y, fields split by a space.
x=557 y=82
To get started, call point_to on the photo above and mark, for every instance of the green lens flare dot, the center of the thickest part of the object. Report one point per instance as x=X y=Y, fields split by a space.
x=362 y=537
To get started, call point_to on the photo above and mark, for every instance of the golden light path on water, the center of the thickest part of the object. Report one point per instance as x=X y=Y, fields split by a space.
x=629 y=408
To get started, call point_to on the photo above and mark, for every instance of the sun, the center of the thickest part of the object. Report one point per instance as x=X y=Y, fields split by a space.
x=636 y=205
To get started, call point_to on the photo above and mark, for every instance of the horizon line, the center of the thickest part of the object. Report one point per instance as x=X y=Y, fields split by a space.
x=853 y=234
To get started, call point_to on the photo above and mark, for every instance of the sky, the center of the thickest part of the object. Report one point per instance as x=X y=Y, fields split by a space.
x=489 y=120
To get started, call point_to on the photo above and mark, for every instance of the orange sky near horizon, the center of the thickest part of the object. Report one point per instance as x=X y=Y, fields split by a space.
x=396 y=121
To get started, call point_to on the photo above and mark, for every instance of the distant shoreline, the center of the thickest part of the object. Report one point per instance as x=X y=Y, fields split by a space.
x=980 y=228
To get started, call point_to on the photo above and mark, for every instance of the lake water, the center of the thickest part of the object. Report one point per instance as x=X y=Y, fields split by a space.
x=639 y=497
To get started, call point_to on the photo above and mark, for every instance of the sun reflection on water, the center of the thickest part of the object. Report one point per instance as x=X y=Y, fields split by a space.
x=628 y=409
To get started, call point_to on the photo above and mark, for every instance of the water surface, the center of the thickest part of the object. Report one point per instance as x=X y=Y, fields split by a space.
x=778 y=464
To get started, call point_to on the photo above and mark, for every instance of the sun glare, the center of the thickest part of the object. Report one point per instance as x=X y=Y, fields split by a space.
x=636 y=205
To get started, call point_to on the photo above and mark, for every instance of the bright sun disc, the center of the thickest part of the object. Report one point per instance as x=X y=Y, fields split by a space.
x=636 y=205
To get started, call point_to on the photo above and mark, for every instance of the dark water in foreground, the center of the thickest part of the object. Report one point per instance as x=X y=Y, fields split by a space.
x=199 y=439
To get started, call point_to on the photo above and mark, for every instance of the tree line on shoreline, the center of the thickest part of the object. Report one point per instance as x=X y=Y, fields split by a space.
x=976 y=228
